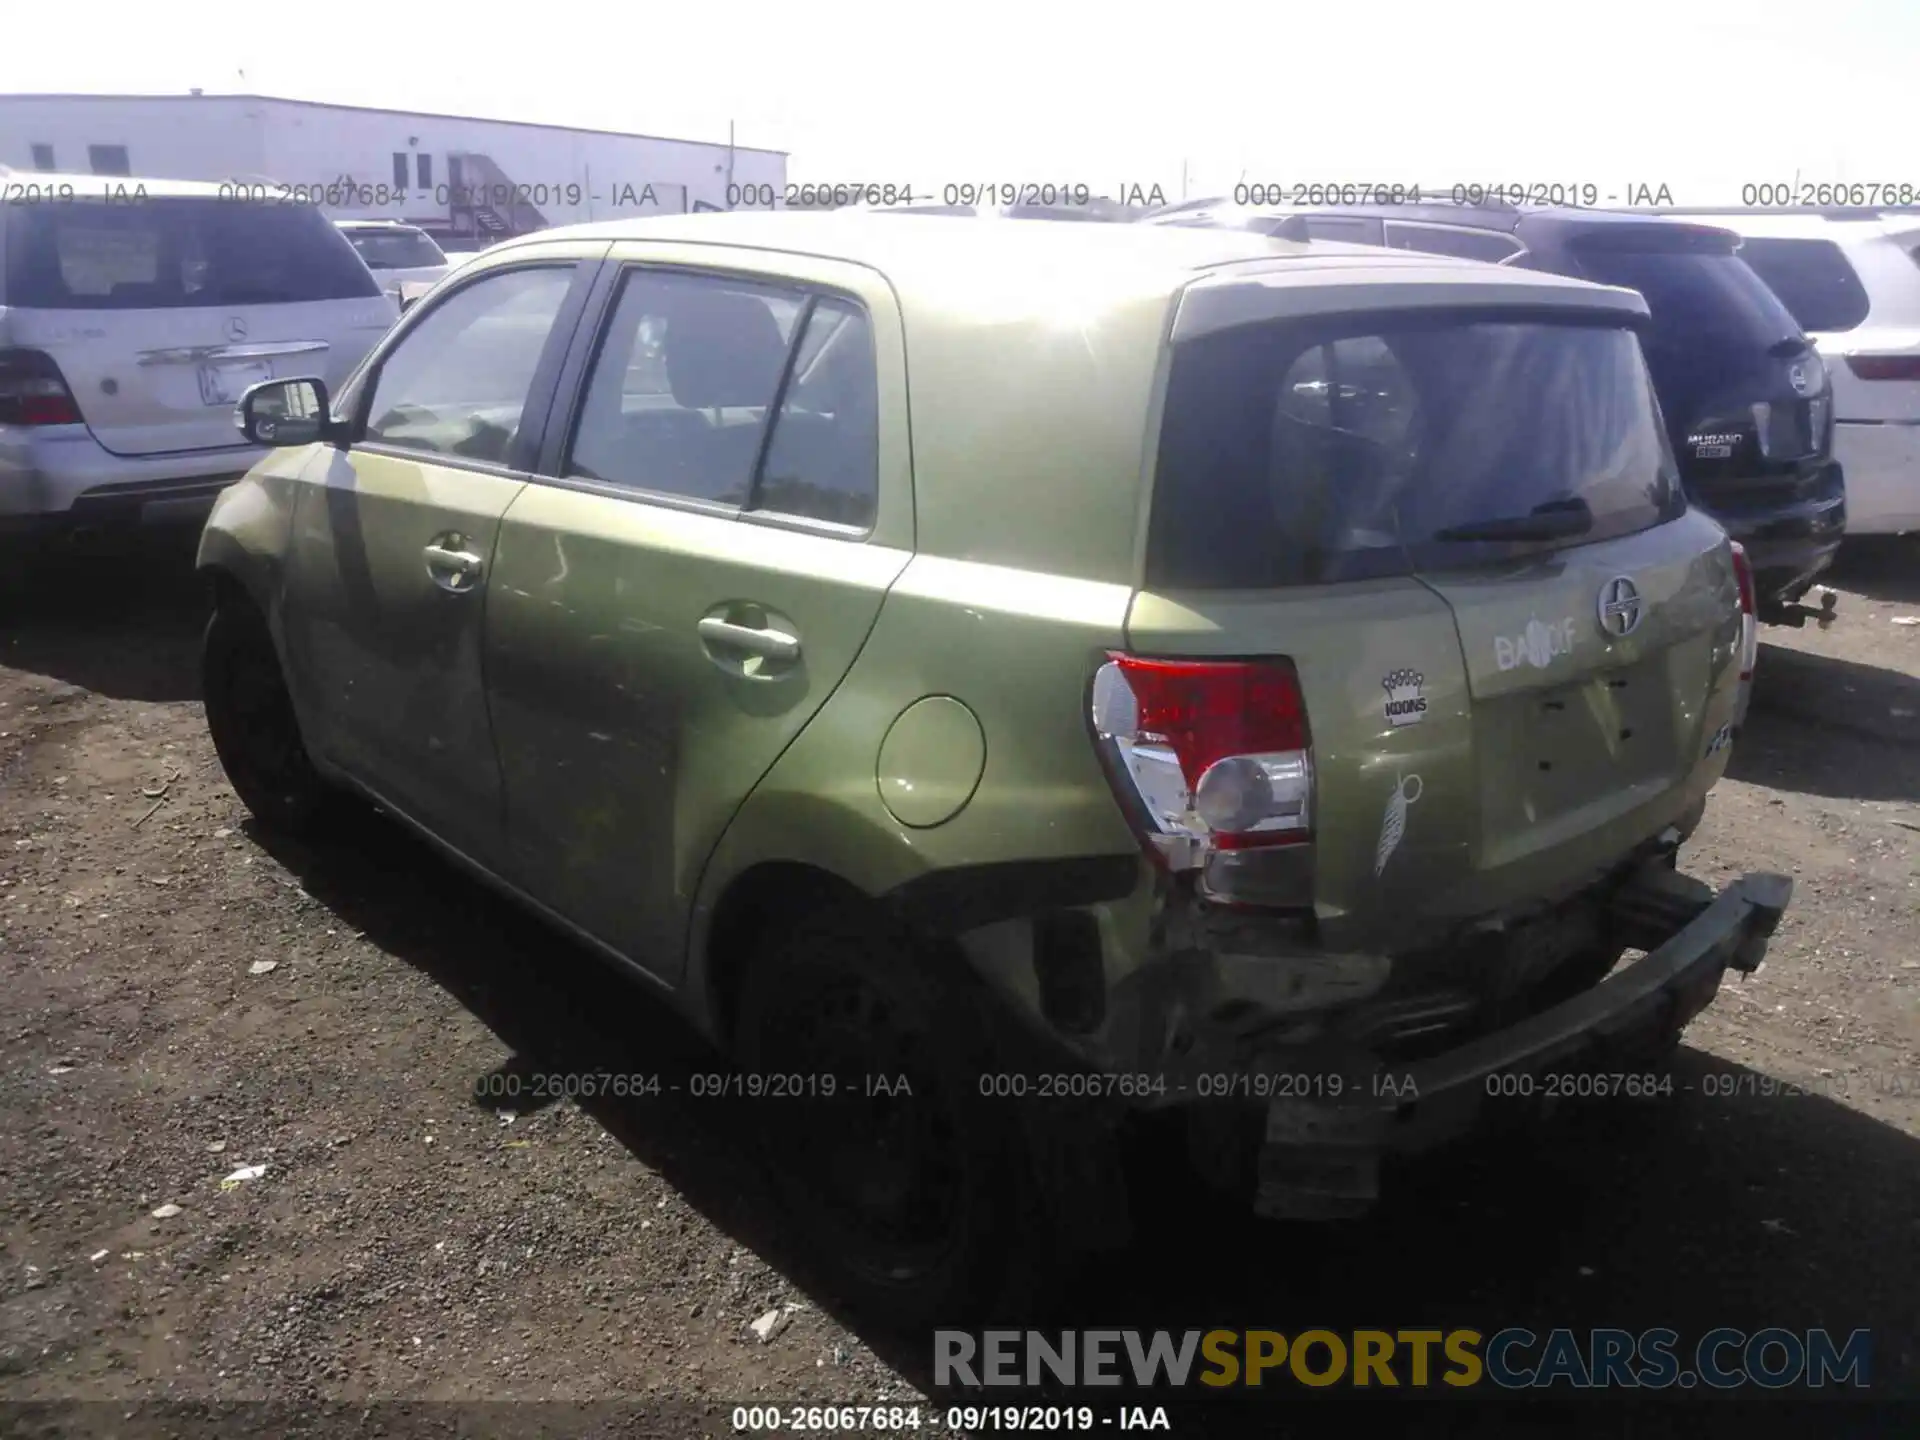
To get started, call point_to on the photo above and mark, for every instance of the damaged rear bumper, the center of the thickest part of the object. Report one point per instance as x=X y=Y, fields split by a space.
x=1320 y=1157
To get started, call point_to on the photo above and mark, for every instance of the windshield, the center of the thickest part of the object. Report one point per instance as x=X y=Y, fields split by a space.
x=169 y=253
x=1309 y=453
x=396 y=249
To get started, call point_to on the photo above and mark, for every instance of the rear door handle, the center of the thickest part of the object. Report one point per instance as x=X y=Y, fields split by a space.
x=773 y=644
x=452 y=569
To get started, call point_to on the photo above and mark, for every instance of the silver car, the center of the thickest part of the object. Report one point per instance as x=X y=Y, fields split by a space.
x=133 y=314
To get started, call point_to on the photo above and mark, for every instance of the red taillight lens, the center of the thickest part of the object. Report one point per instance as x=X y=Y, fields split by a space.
x=1208 y=754
x=1743 y=572
x=1749 y=611
x=1207 y=710
x=33 y=391
x=1885 y=367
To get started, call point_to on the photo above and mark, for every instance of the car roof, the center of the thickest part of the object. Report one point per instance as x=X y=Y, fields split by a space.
x=1807 y=225
x=958 y=257
x=1505 y=219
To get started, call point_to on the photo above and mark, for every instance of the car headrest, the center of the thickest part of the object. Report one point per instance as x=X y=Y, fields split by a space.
x=722 y=349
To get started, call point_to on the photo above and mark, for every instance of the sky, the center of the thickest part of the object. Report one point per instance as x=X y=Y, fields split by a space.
x=1701 y=96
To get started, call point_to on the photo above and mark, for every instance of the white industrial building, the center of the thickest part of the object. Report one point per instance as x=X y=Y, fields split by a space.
x=456 y=176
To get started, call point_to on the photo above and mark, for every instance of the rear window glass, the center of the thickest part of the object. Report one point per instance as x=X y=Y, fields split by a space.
x=167 y=253
x=1309 y=453
x=1812 y=278
x=1714 y=320
x=396 y=249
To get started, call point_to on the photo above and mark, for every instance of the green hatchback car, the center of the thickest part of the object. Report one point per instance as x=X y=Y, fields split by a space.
x=1017 y=685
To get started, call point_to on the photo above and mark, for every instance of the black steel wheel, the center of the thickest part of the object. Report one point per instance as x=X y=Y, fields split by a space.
x=902 y=1182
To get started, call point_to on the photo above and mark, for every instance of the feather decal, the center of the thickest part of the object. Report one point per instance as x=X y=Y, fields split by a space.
x=1393 y=825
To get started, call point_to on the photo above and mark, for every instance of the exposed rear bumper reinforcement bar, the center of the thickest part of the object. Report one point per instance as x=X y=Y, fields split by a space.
x=1321 y=1158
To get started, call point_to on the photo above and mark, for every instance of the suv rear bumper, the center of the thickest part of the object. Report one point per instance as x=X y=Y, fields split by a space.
x=1791 y=543
x=60 y=477
x=1320 y=1158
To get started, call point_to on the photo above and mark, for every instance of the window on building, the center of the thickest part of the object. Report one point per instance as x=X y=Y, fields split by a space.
x=423 y=163
x=399 y=169
x=108 y=160
x=43 y=157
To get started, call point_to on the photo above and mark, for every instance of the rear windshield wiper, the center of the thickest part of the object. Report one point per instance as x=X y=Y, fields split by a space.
x=1555 y=520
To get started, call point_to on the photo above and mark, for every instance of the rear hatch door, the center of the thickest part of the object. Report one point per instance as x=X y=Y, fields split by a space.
x=1745 y=396
x=160 y=312
x=1463 y=524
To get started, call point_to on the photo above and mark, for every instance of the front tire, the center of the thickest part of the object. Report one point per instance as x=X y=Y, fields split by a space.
x=251 y=718
x=905 y=1201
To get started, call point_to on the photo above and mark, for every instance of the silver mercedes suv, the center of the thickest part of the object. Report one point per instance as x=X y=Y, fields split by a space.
x=133 y=314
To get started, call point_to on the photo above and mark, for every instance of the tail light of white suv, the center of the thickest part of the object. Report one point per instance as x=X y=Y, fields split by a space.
x=1207 y=757
x=33 y=391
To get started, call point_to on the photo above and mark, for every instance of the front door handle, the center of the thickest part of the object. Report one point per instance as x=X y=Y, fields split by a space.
x=772 y=644
x=452 y=567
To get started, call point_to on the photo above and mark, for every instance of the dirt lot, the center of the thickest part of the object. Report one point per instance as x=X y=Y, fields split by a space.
x=406 y=1240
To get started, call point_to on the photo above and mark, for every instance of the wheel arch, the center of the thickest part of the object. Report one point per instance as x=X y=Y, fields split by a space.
x=764 y=896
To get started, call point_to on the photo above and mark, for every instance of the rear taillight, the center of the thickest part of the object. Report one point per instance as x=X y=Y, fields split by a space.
x=1749 y=612
x=1206 y=755
x=33 y=391
x=1885 y=367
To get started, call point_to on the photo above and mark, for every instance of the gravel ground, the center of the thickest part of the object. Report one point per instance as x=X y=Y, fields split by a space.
x=186 y=997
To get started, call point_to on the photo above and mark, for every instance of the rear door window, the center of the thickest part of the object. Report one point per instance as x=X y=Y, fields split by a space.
x=1315 y=452
x=823 y=460
x=168 y=253
x=687 y=372
x=1812 y=278
x=735 y=394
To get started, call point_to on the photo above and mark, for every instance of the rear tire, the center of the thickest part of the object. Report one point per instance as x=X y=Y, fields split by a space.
x=251 y=719
x=905 y=1203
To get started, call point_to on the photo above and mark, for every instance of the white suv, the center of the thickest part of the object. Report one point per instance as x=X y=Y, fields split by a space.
x=403 y=258
x=1853 y=282
x=133 y=313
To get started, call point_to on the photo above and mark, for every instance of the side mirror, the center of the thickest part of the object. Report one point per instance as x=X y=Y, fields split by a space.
x=285 y=412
